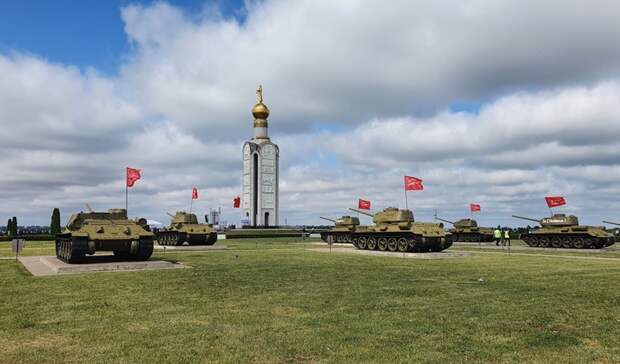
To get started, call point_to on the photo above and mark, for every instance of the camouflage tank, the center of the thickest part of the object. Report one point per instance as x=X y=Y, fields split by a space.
x=395 y=230
x=89 y=232
x=468 y=230
x=341 y=232
x=561 y=231
x=184 y=228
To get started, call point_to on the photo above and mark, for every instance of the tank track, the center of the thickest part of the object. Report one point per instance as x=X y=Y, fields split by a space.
x=568 y=241
x=176 y=238
x=400 y=243
x=71 y=249
x=472 y=237
x=336 y=237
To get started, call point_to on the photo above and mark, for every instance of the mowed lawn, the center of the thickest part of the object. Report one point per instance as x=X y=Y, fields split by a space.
x=275 y=300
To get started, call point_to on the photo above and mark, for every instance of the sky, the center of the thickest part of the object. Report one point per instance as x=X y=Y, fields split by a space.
x=498 y=103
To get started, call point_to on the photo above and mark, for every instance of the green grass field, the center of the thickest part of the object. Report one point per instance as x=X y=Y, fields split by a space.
x=276 y=301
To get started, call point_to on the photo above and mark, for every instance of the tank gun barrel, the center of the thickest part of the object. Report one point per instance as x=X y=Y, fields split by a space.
x=444 y=220
x=169 y=214
x=361 y=212
x=324 y=218
x=611 y=223
x=526 y=218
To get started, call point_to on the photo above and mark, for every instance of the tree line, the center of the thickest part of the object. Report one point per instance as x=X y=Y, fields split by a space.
x=55 y=228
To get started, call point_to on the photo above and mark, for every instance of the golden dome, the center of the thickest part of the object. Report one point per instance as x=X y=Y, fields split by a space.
x=260 y=111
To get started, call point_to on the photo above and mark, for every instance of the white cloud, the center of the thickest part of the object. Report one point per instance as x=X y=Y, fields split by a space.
x=382 y=75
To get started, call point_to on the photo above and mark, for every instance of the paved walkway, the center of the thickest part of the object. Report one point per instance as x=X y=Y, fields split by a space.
x=50 y=265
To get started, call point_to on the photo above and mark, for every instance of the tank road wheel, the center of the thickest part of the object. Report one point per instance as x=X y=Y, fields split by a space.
x=371 y=243
x=176 y=239
x=354 y=241
x=531 y=240
x=578 y=242
x=361 y=243
x=145 y=248
x=567 y=243
x=411 y=243
x=556 y=242
x=403 y=245
x=211 y=239
x=543 y=242
x=392 y=244
x=382 y=244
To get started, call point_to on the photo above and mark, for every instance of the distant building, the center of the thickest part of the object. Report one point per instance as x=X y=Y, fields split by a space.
x=260 y=171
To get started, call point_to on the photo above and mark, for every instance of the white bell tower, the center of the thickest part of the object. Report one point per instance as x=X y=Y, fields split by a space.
x=260 y=171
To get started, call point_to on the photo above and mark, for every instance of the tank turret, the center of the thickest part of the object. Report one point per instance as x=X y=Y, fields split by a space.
x=564 y=231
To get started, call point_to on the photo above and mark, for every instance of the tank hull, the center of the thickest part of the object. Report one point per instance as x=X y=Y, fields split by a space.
x=176 y=238
x=402 y=241
x=569 y=240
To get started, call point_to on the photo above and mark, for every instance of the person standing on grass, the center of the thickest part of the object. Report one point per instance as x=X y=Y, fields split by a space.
x=507 y=236
x=498 y=236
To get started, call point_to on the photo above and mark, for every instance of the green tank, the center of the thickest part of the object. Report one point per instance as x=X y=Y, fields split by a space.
x=395 y=230
x=562 y=231
x=341 y=232
x=468 y=230
x=184 y=228
x=90 y=232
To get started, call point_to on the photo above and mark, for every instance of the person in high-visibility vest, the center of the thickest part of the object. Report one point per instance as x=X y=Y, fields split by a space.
x=498 y=236
x=507 y=236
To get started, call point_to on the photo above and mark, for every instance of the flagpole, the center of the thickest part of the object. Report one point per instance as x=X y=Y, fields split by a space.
x=406 y=202
x=126 y=195
x=191 y=204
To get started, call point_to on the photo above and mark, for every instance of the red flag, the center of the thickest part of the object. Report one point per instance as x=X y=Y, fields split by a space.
x=553 y=201
x=413 y=184
x=194 y=193
x=237 y=202
x=474 y=207
x=132 y=176
x=363 y=204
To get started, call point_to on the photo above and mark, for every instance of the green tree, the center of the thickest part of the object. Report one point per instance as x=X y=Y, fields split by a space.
x=14 y=226
x=9 y=229
x=55 y=223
